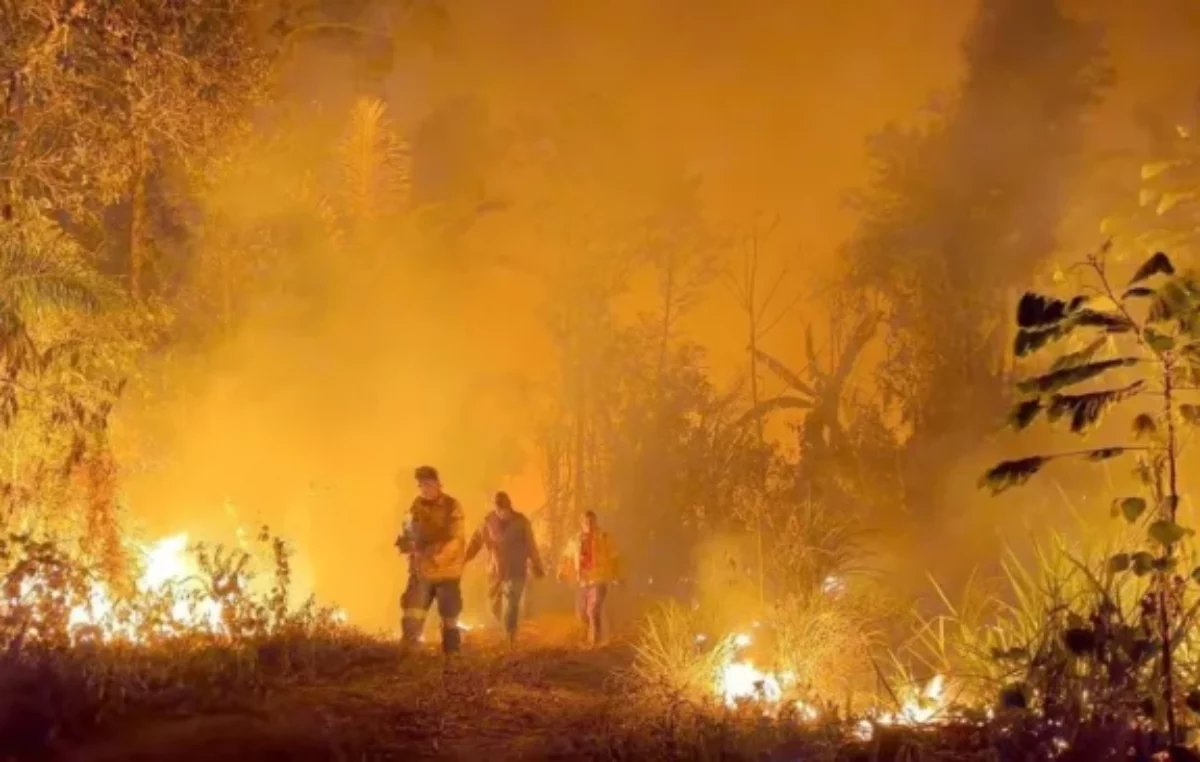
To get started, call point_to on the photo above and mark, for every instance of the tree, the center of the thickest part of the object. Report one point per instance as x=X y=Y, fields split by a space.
x=963 y=211
x=1134 y=343
x=757 y=302
x=104 y=95
x=65 y=355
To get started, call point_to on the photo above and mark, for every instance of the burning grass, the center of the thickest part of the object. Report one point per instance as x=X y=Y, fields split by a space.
x=1058 y=663
x=198 y=626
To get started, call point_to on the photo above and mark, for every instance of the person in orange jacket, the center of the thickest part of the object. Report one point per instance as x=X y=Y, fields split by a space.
x=591 y=561
x=435 y=540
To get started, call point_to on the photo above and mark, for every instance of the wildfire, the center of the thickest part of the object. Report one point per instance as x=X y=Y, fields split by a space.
x=165 y=564
x=739 y=681
x=922 y=709
x=928 y=707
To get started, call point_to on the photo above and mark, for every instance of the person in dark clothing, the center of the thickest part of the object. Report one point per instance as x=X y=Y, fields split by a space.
x=513 y=553
x=434 y=538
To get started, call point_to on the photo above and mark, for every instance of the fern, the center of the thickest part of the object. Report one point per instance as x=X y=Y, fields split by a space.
x=376 y=163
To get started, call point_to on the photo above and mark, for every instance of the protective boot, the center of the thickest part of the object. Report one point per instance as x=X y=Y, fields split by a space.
x=410 y=631
x=451 y=639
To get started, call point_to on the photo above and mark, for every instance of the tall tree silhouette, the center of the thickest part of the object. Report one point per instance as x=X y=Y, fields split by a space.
x=964 y=209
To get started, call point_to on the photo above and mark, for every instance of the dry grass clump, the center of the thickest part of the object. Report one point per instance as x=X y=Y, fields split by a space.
x=673 y=656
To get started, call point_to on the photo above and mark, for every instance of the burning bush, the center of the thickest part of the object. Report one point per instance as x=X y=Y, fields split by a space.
x=195 y=626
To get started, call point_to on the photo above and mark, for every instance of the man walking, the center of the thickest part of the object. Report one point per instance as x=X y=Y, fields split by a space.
x=512 y=553
x=590 y=561
x=434 y=538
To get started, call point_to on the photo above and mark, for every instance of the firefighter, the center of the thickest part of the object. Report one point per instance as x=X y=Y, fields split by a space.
x=434 y=539
x=591 y=561
x=512 y=554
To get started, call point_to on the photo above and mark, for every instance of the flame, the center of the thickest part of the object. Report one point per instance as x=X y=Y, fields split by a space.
x=739 y=681
x=928 y=707
x=922 y=709
x=742 y=680
x=165 y=563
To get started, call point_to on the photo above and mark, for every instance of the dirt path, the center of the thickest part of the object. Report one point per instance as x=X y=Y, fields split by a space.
x=545 y=700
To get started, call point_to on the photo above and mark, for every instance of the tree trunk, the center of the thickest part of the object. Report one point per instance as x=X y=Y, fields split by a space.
x=1165 y=577
x=580 y=470
x=137 y=224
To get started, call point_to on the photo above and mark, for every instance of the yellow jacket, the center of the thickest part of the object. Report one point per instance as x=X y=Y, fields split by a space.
x=606 y=564
x=436 y=533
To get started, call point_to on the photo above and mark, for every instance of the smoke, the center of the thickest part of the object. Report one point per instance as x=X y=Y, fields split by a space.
x=356 y=342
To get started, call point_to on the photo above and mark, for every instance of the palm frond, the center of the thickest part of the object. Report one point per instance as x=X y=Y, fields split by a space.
x=376 y=162
x=41 y=267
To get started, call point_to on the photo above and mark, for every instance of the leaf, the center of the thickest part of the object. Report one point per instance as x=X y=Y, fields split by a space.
x=1083 y=356
x=1024 y=413
x=1112 y=322
x=1167 y=533
x=1144 y=426
x=1029 y=341
x=1069 y=376
x=1159 y=263
x=1171 y=200
x=1154 y=169
x=1159 y=342
x=1171 y=301
x=1086 y=409
x=1190 y=413
x=1131 y=508
x=1143 y=563
x=1138 y=292
x=1118 y=563
x=1105 y=453
x=1037 y=311
x=1011 y=473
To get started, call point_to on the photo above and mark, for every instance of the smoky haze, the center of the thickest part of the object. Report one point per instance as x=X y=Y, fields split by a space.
x=528 y=141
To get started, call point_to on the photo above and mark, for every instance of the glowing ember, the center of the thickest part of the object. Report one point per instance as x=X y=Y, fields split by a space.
x=922 y=709
x=833 y=586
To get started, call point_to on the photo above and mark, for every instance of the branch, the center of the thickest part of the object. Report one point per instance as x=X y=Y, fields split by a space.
x=1097 y=264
